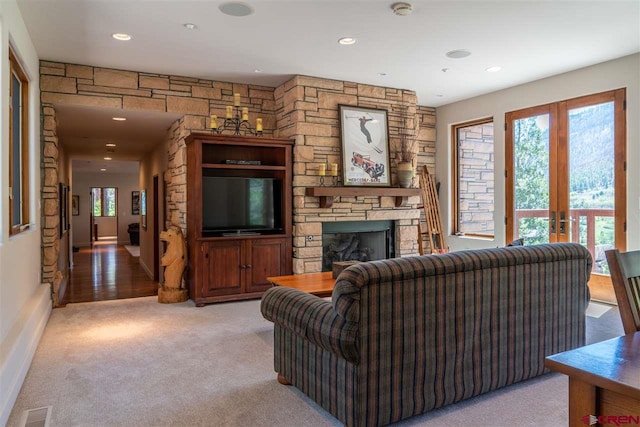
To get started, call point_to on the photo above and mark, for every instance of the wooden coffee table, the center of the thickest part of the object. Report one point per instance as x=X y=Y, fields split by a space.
x=320 y=284
x=604 y=379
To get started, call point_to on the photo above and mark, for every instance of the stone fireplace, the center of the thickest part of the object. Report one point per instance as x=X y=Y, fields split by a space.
x=307 y=111
x=351 y=213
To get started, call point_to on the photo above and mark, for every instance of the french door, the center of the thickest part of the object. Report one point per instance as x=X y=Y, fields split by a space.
x=565 y=177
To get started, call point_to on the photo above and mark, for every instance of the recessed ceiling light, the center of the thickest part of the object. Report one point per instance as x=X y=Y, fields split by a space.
x=347 y=41
x=190 y=26
x=107 y=158
x=234 y=8
x=102 y=170
x=119 y=119
x=458 y=54
x=493 y=69
x=110 y=145
x=121 y=36
x=257 y=70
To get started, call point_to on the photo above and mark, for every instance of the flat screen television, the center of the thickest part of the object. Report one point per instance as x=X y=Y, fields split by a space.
x=237 y=205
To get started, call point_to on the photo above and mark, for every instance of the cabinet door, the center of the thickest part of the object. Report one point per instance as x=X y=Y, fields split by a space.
x=267 y=259
x=222 y=268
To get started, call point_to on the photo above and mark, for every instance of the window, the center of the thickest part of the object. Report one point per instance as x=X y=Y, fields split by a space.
x=18 y=147
x=473 y=201
x=104 y=201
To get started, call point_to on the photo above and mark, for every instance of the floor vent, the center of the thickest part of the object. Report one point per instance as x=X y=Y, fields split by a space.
x=37 y=417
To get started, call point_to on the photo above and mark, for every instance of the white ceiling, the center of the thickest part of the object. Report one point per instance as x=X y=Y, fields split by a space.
x=111 y=166
x=528 y=39
x=85 y=131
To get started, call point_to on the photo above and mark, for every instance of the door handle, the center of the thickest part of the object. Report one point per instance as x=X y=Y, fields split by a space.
x=553 y=222
x=563 y=222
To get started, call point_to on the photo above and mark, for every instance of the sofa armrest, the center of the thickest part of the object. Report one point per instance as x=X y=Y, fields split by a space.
x=311 y=318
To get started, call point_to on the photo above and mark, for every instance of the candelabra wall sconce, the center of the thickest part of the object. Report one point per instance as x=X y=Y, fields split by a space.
x=333 y=173
x=236 y=120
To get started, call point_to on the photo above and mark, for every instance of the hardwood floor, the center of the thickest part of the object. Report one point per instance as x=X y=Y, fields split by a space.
x=107 y=272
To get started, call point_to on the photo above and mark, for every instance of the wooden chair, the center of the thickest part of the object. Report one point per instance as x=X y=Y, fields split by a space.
x=625 y=275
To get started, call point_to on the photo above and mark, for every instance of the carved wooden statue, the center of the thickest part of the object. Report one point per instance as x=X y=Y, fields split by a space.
x=174 y=260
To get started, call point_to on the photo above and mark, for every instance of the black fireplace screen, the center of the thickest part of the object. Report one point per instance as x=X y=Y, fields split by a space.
x=356 y=241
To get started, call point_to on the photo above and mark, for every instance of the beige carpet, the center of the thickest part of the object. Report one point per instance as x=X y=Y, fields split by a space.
x=596 y=309
x=139 y=363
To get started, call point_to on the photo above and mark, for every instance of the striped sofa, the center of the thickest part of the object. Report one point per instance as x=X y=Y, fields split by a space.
x=403 y=336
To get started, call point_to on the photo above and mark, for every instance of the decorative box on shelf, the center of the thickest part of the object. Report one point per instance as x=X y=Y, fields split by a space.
x=338 y=266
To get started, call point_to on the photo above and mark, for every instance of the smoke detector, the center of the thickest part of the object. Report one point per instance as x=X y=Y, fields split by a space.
x=402 y=9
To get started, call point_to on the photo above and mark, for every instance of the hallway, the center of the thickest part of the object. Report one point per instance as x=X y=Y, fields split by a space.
x=107 y=272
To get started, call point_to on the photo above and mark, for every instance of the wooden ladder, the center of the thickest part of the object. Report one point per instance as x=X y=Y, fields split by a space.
x=434 y=231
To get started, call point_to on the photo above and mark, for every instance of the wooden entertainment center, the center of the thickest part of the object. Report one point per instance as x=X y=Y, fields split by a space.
x=227 y=266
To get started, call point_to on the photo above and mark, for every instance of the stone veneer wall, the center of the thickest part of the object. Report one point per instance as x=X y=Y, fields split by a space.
x=475 y=179
x=304 y=109
x=307 y=111
x=196 y=99
x=50 y=218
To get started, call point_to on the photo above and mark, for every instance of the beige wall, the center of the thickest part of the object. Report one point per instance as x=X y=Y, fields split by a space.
x=107 y=226
x=25 y=303
x=154 y=163
x=620 y=73
x=64 y=256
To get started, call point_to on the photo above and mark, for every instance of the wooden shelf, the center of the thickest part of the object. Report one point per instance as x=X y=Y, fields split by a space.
x=247 y=167
x=326 y=194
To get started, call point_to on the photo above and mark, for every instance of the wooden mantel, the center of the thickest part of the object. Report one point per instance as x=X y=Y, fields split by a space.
x=326 y=194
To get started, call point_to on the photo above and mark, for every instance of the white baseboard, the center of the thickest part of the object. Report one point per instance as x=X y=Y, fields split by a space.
x=146 y=269
x=22 y=349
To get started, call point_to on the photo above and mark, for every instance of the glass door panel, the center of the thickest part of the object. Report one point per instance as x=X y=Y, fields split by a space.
x=566 y=173
x=592 y=180
x=531 y=179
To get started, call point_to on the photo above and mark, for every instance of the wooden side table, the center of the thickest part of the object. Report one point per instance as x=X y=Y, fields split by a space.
x=604 y=380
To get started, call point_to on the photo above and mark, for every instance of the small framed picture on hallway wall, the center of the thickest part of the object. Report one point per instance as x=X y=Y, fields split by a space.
x=143 y=208
x=75 y=205
x=365 y=146
x=135 y=203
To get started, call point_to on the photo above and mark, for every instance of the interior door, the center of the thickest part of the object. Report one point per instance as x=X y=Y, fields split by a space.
x=92 y=237
x=566 y=177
